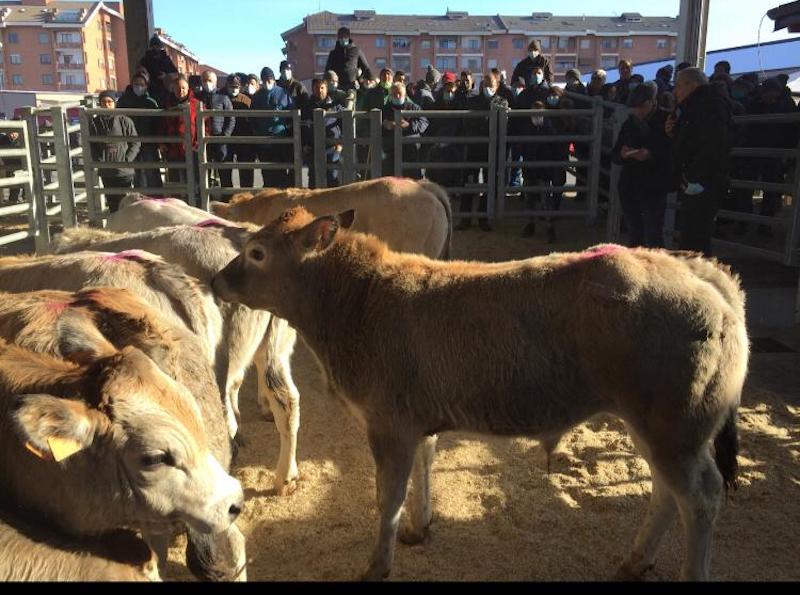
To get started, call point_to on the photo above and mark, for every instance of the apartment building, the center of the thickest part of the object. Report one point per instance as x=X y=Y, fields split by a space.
x=457 y=41
x=184 y=59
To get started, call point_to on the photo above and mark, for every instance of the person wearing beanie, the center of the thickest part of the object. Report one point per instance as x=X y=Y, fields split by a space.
x=433 y=77
x=137 y=96
x=110 y=124
x=294 y=89
x=643 y=150
x=347 y=60
x=243 y=127
x=272 y=97
x=158 y=65
x=534 y=59
x=573 y=82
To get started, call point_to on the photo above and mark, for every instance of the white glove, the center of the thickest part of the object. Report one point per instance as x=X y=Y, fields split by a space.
x=693 y=188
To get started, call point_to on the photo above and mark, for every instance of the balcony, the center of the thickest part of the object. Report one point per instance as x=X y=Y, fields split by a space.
x=71 y=87
x=69 y=66
x=74 y=45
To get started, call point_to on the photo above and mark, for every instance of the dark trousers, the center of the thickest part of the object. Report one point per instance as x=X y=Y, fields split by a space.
x=765 y=170
x=178 y=176
x=276 y=178
x=644 y=216
x=148 y=178
x=696 y=219
x=465 y=204
x=114 y=199
x=238 y=153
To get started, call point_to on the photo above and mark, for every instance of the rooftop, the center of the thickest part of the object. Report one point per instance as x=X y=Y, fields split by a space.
x=55 y=14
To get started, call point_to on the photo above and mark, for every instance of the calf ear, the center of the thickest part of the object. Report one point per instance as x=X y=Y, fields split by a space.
x=80 y=341
x=54 y=428
x=319 y=234
x=346 y=219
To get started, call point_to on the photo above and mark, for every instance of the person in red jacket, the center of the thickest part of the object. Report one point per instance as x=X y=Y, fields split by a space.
x=176 y=126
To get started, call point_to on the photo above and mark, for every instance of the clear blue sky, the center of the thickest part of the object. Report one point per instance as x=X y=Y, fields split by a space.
x=244 y=35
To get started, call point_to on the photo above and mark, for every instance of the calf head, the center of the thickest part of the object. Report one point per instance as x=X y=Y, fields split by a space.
x=121 y=437
x=269 y=271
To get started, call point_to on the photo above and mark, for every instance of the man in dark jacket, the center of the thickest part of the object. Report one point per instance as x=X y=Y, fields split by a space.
x=535 y=59
x=411 y=126
x=378 y=96
x=702 y=134
x=623 y=85
x=346 y=60
x=115 y=151
x=271 y=97
x=136 y=96
x=319 y=99
x=243 y=127
x=337 y=95
x=158 y=65
x=573 y=82
x=295 y=90
x=213 y=99
x=446 y=152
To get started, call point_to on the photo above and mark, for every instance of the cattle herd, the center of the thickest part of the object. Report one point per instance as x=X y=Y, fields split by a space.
x=122 y=354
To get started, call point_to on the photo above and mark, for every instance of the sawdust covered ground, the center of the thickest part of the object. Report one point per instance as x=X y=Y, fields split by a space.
x=498 y=515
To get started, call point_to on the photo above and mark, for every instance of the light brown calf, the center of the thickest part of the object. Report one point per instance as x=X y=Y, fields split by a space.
x=415 y=346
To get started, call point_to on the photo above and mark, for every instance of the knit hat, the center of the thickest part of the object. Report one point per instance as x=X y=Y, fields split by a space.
x=643 y=93
x=433 y=76
x=105 y=94
x=574 y=73
x=266 y=73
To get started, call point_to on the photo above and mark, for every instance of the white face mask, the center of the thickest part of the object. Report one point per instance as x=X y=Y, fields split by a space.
x=537 y=120
x=489 y=92
x=234 y=92
x=138 y=90
x=537 y=79
x=533 y=55
x=269 y=86
x=286 y=75
x=210 y=87
x=251 y=89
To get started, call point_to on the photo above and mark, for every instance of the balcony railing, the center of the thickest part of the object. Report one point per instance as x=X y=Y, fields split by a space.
x=69 y=65
x=71 y=87
x=69 y=44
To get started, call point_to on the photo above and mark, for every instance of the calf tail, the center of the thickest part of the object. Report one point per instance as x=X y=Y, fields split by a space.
x=726 y=447
x=441 y=194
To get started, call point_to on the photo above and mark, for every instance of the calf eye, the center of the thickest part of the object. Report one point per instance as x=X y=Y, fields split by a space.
x=158 y=458
x=257 y=254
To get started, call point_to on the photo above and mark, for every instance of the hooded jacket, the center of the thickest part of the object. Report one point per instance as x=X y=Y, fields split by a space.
x=113 y=125
x=345 y=62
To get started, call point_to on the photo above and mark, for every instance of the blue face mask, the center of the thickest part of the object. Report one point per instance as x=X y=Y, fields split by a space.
x=448 y=96
x=553 y=101
x=399 y=102
x=518 y=90
x=344 y=42
x=537 y=79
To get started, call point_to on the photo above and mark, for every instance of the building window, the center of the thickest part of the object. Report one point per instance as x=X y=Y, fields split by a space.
x=627 y=43
x=400 y=43
x=15 y=59
x=564 y=64
x=518 y=44
x=473 y=64
x=545 y=43
x=44 y=38
x=447 y=44
x=491 y=64
x=563 y=43
x=321 y=61
x=610 y=44
x=472 y=43
x=17 y=80
x=47 y=79
x=69 y=38
x=380 y=63
x=586 y=44
x=425 y=44
x=609 y=62
x=326 y=43
x=661 y=44
x=445 y=63
x=13 y=38
x=402 y=63
x=425 y=62
x=45 y=59
x=113 y=83
x=380 y=42
x=492 y=44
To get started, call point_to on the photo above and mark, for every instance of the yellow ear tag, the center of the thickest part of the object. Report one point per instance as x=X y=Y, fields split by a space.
x=42 y=455
x=63 y=448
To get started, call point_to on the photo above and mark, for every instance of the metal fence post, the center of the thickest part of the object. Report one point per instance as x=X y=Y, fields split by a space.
x=34 y=161
x=347 y=160
x=614 y=207
x=794 y=226
x=502 y=142
x=191 y=189
x=375 y=144
x=202 y=158
x=93 y=204
x=65 y=191
x=398 y=144
x=596 y=153
x=297 y=149
x=318 y=157
x=37 y=214
x=492 y=170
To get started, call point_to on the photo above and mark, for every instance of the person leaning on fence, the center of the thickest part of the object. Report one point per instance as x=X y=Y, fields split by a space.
x=410 y=126
x=486 y=100
x=378 y=96
x=702 y=137
x=121 y=152
x=175 y=126
x=347 y=61
x=137 y=96
x=535 y=125
x=12 y=140
x=294 y=89
x=643 y=151
x=214 y=99
x=534 y=60
x=271 y=97
x=243 y=153
x=537 y=90
x=450 y=151
x=345 y=99
x=319 y=99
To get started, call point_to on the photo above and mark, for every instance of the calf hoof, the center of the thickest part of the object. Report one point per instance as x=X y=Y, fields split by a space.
x=632 y=572
x=375 y=574
x=287 y=488
x=409 y=536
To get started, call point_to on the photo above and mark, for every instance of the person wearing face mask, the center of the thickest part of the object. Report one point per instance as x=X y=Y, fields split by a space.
x=378 y=96
x=623 y=85
x=535 y=125
x=410 y=126
x=158 y=65
x=137 y=96
x=252 y=85
x=537 y=90
x=294 y=89
x=243 y=127
x=109 y=124
x=213 y=99
x=181 y=95
x=320 y=99
x=346 y=60
x=337 y=95
x=486 y=100
x=643 y=151
x=272 y=97
x=534 y=59
x=446 y=152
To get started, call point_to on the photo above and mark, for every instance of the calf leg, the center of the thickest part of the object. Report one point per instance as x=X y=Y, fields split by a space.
x=418 y=503
x=394 y=458
x=284 y=401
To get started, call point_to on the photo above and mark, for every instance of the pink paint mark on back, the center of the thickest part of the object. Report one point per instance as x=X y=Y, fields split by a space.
x=128 y=255
x=213 y=223
x=601 y=251
x=57 y=308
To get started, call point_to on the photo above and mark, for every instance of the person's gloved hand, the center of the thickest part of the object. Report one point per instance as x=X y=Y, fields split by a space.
x=693 y=188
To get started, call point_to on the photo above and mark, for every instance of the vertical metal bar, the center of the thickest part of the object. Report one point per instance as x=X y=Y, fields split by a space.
x=202 y=156
x=297 y=148
x=37 y=215
x=794 y=226
x=614 y=209
x=93 y=205
x=502 y=144
x=347 y=173
x=191 y=189
x=596 y=153
x=35 y=161
x=318 y=156
x=375 y=144
x=491 y=173
x=398 y=144
x=65 y=191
